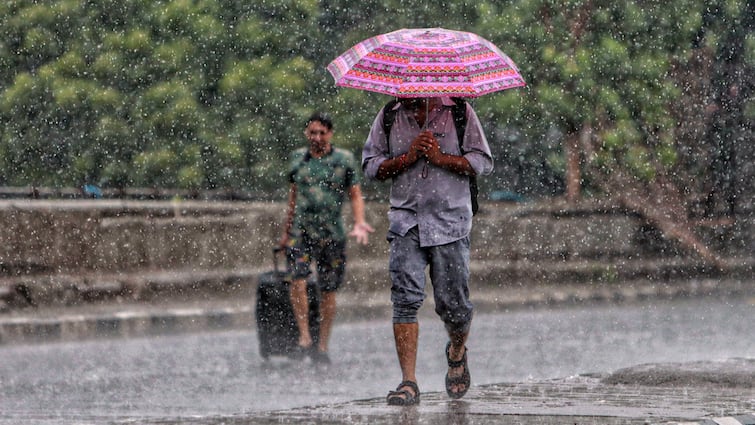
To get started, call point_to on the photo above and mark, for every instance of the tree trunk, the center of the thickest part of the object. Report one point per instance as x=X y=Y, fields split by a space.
x=573 y=173
x=661 y=204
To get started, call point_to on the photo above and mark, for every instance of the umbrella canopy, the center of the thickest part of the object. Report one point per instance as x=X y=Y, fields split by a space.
x=426 y=62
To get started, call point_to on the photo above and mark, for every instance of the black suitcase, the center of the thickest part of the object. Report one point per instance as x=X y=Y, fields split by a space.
x=276 y=325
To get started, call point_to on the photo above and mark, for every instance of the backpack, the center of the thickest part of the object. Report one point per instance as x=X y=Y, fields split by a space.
x=459 y=113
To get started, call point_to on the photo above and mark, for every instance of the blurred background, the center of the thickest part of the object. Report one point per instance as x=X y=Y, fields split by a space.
x=209 y=96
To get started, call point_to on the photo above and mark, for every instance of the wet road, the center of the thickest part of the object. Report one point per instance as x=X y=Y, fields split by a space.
x=221 y=374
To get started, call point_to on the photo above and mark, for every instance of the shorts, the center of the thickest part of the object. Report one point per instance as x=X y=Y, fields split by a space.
x=449 y=274
x=329 y=257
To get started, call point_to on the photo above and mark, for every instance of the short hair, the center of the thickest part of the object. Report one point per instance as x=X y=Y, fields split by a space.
x=323 y=118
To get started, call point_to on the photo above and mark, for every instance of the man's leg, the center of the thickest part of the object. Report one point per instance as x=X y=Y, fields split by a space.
x=407 y=268
x=406 y=336
x=455 y=353
x=300 y=307
x=449 y=272
x=327 y=315
x=331 y=266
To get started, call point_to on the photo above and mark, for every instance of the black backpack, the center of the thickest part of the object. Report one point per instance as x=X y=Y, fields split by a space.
x=459 y=112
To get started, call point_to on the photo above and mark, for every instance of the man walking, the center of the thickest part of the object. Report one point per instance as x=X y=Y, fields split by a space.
x=430 y=219
x=321 y=176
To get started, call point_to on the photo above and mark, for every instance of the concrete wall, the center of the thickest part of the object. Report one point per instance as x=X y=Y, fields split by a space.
x=85 y=243
x=69 y=236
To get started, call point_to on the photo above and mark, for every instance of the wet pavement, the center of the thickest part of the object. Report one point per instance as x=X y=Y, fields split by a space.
x=582 y=400
x=577 y=400
x=653 y=362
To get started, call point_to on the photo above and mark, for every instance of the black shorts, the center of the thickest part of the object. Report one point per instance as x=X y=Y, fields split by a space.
x=329 y=257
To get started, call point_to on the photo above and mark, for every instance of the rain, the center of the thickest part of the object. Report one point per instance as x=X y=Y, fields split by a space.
x=145 y=149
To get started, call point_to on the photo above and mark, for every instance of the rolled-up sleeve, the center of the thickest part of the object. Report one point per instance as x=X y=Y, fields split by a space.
x=476 y=148
x=375 y=149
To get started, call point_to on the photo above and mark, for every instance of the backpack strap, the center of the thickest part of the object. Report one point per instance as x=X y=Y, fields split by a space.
x=459 y=111
x=389 y=116
x=297 y=167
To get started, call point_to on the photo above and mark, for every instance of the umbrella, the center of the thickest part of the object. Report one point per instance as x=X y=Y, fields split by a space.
x=426 y=62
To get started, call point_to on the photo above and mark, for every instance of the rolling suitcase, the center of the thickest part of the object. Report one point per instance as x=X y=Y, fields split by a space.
x=276 y=325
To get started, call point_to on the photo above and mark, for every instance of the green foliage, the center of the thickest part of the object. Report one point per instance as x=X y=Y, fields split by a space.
x=214 y=93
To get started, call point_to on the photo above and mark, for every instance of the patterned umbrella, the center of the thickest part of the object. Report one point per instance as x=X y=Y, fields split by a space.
x=426 y=62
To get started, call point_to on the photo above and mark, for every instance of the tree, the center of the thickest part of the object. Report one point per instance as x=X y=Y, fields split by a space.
x=136 y=89
x=602 y=74
x=213 y=93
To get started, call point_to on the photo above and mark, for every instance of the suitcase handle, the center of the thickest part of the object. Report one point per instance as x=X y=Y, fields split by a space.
x=276 y=251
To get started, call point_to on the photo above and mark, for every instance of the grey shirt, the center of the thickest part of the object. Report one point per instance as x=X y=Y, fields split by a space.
x=437 y=201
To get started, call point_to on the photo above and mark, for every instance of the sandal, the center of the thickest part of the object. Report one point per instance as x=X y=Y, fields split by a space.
x=403 y=397
x=319 y=357
x=464 y=379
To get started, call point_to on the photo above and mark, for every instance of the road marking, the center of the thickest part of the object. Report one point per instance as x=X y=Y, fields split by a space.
x=727 y=420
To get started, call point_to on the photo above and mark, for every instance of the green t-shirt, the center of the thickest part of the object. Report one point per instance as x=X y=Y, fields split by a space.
x=322 y=185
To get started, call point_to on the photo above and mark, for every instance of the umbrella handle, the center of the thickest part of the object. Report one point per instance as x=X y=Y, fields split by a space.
x=427 y=114
x=425 y=126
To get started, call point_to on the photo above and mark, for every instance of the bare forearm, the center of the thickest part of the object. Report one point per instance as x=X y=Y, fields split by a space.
x=454 y=164
x=291 y=209
x=357 y=204
x=394 y=166
x=361 y=229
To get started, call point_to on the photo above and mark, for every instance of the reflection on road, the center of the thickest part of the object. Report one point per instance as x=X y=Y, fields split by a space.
x=221 y=374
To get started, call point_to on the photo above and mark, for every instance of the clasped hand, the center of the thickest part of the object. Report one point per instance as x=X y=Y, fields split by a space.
x=424 y=145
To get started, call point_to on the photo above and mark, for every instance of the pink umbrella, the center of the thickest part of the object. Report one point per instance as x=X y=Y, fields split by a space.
x=426 y=62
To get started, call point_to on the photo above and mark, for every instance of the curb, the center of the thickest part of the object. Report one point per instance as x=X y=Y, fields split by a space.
x=198 y=314
x=605 y=279
x=123 y=324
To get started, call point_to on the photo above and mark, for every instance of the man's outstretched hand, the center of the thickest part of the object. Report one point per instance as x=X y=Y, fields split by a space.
x=361 y=232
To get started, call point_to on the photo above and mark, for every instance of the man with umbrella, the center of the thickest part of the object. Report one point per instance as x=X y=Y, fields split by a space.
x=430 y=220
x=430 y=145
